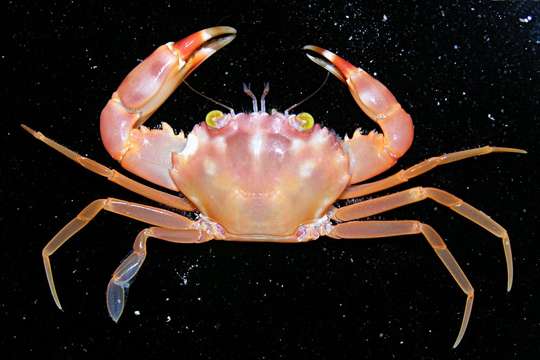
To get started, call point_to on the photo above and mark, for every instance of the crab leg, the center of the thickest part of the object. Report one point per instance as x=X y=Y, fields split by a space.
x=381 y=229
x=385 y=203
x=144 y=152
x=373 y=153
x=420 y=168
x=114 y=176
x=125 y=273
x=144 y=213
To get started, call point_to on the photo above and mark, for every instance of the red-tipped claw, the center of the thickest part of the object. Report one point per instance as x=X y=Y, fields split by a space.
x=144 y=152
x=373 y=153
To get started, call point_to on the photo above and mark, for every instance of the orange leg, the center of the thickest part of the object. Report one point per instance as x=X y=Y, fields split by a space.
x=392 y=201
x=418 y=169
x=148 y=214
x=123 y=275
x=378 y=229
x=114 y=176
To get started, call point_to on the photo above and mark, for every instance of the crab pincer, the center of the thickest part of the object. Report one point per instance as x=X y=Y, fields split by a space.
x=147 y=153
x=373 y=153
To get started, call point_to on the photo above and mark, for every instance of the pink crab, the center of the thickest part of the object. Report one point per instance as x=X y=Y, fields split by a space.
x=259 y=177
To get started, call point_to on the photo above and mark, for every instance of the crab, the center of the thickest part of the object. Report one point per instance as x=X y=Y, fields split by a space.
x=259 y=176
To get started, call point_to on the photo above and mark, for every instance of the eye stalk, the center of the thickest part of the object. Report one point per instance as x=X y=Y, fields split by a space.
x=303 y=121
x=213 y=119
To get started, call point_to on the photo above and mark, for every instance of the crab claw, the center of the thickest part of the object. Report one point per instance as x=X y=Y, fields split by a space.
x=373 y=153
x=144 y=152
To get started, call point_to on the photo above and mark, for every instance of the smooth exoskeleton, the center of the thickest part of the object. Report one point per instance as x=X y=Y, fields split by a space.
x=259 y=176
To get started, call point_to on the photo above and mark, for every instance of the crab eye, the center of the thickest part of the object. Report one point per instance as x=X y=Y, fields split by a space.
x=304 y=121
x=212 y=118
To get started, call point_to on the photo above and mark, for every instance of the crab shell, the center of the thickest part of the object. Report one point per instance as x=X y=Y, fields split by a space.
x=256 y=175
x=260 y=175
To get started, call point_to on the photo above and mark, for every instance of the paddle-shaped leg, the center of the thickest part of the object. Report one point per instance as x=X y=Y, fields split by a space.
x=123 y=275
x=144 y=213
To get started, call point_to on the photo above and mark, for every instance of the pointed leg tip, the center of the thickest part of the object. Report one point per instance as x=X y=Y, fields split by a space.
x=516 y=150
x=511 y=150
x=27 y=129
x=509 y=263
x=38 y=135
x=465 y=320
x=510 y=280
x=460 y=336
x=458 y=339
x=57 y=300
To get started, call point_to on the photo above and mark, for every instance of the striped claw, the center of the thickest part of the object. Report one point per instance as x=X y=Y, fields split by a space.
x=147 y=152
x=373 y=153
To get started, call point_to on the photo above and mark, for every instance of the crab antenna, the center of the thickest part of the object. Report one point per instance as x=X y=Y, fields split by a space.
x=250 y=93
x=286 y=112
x=263 y=96
x=231 y=110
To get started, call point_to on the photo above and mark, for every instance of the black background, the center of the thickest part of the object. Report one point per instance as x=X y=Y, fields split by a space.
x=467 y=73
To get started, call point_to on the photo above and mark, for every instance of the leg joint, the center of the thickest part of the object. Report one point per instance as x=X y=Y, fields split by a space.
x=90 y=211
x=443 y=197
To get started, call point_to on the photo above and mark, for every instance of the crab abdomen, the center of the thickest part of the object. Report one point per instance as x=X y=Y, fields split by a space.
x=257 y=175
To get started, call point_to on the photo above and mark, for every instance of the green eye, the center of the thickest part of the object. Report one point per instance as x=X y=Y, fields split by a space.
x=304 y=121
x=212 y=118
